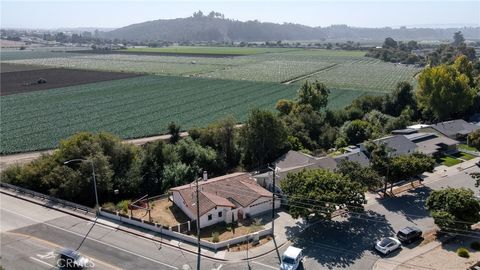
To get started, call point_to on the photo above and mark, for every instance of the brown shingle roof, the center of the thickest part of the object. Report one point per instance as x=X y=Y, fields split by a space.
x=225 y=190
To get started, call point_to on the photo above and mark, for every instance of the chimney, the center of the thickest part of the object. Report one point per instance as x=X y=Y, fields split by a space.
x=205 y=176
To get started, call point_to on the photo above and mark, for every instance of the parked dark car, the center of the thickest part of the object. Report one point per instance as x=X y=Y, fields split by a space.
x=409 y=234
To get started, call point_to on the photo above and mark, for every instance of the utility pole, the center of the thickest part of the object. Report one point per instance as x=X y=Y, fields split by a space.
x=198 y=218
x=198 y=226
x=273 y=168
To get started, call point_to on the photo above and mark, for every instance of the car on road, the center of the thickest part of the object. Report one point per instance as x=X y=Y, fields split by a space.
x=71 y=259
x=387 y=244
x=409 y=234
x=291 y=258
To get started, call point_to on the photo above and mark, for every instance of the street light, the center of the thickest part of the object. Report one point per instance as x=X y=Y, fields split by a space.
x=93 y=173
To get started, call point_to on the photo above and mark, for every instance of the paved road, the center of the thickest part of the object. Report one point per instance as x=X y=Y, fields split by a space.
x=30 y=233
x=348 y=243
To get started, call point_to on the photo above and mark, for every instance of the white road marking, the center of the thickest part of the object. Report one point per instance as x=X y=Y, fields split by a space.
x=42 y=262
x=219 y=267
x=95 y=240
x=265 y=265
x=48 y=255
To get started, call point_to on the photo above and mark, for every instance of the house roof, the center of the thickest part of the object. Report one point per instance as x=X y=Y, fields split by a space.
x=399 y=143
x=357 y=156
x=295 y=160
x=430 y=143
x=232 y=190
x=453 y=128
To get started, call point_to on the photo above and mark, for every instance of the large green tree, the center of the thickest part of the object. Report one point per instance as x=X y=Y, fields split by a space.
x=474 y=139
x=313 y=94
x=454 y=208
x=321 y=192
x=263 y=139
x=447 y=91
x=364 y=175
x=356 y=131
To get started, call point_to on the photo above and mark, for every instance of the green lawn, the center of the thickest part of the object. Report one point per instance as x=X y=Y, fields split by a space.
x=211 y=50
x=448 y=161
x=466 y=147
x=464 y=156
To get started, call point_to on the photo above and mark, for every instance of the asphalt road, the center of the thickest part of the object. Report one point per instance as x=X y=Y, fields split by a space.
x=348 y=243
x=31 y=233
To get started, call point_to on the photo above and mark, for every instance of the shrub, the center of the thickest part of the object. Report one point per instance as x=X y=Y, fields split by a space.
x=215 y=237
x=123 y=206
x=109 y=206
x=475 y=245
x=463 y=252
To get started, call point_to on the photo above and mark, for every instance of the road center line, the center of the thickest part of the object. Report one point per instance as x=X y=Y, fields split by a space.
x=95 y=240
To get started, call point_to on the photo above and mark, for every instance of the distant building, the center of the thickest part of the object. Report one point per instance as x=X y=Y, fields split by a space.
x=226 y=198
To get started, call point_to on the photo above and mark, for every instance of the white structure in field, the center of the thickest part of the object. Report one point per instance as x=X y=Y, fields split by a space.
x=223 y=199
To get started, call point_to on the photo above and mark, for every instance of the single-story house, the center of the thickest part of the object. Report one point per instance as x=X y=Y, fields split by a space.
x=223 y=199
x=397 y=144
x=455 y=129
x=294 y=161
x=353 y=153
x=433 y=144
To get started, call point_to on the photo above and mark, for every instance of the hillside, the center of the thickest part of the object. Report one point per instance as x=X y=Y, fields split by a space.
x=206 y=28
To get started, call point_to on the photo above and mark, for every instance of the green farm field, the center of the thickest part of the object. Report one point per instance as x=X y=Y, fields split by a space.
x=135 y=107
x=209 y=50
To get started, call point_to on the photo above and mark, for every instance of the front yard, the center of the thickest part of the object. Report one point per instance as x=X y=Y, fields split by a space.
x=227 y=231
x=448 y=161
x=163 y=212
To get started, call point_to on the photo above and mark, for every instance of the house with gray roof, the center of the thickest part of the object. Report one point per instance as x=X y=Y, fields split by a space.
x=455 y=129
x=433 y=144
x=353 y=153
x=294 y=161
x=397 y=144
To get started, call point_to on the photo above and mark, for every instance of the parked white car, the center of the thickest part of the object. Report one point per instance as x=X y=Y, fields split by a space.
x=291 y=258
x=387 y=244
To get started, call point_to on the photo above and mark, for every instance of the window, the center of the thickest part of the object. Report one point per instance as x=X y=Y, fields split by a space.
x=210 y=217
x=220 y=214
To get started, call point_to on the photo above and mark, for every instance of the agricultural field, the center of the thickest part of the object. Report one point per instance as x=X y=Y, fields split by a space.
x=5 y=67
x=381 y=77
x=192 y=50
x=9 y=54
x=134 y=107
x=269 y=71
x=28 y=80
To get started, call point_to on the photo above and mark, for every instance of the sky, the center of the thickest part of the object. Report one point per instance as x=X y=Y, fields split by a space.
x=40 y=14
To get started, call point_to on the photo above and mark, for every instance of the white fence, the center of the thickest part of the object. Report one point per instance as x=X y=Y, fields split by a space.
x=187 y=238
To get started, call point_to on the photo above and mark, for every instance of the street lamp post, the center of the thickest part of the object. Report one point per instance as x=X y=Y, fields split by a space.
x=93 y=173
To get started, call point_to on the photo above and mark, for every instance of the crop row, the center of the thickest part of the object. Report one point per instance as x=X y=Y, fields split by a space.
x=134 y=107
x=381 y=77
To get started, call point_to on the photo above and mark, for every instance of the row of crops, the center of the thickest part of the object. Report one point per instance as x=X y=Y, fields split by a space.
x=352 y=70
x=134 y=107
x=381 y=77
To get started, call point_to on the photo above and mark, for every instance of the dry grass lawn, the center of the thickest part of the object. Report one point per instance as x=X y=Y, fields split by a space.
x=163 y=212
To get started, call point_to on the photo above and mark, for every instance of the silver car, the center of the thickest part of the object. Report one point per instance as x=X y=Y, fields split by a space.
x=387 y=244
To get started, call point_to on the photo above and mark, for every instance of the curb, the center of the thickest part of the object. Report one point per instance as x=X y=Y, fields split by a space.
x=92 y=219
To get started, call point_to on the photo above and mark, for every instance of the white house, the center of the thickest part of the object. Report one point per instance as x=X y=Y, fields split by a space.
x=223 y=199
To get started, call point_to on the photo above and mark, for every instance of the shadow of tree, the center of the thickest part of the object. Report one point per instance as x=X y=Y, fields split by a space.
x=339 y=243
x=411 y=204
